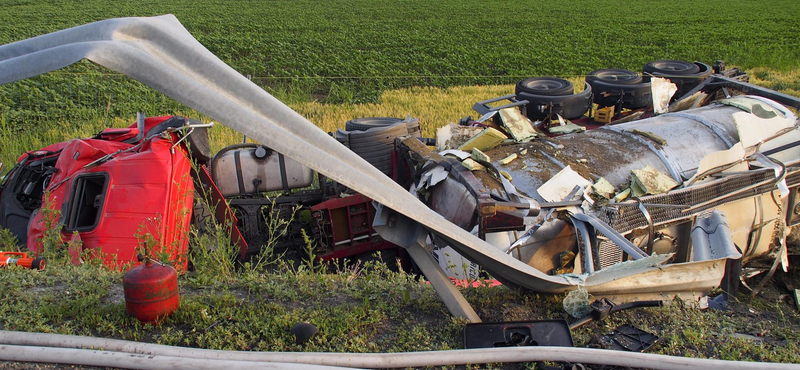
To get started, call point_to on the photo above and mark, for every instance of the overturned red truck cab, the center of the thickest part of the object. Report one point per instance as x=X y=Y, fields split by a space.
x=110 y=190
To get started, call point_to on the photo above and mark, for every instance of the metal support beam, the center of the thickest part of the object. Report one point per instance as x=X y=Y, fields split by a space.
x=410 y=235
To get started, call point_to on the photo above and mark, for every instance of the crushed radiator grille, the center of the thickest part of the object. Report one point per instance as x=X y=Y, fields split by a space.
x=625 y=219
x=609 y=254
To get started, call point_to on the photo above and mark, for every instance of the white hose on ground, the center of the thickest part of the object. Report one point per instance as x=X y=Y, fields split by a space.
x=125 y=360
x=390 y=360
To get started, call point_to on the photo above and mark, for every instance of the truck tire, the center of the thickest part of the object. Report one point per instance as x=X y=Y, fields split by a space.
x=569 y=106
x=685 y=75
x=669 y=67
x=545 y=86
x=619 y=86
x=366 y=123
x=614 y=76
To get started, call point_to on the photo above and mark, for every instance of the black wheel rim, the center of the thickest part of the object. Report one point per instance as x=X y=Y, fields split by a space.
x=545 y=85
x=678 y=67
x=617 y=76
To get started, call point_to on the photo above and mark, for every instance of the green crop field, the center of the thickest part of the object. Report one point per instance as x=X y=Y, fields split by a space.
x=339 y=59
x=351 y=51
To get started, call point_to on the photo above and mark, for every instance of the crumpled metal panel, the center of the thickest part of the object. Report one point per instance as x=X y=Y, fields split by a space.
x=160 y=53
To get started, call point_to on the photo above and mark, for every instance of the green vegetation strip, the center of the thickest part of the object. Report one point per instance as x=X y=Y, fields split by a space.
x=367 y=309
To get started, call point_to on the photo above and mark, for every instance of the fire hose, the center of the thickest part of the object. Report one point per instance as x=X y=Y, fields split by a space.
x=56 y=348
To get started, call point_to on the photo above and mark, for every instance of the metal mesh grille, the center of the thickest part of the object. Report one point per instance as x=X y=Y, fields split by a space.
x=625 y=219
x=609 y=254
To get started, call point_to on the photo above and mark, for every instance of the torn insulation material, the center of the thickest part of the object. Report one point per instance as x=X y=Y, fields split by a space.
x=479 y=156
x=508 y=159
x=485 y=140
x=650 y=181
x=518 y=126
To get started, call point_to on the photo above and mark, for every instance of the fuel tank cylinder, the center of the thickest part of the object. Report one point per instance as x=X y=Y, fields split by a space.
x=672 y=143
x=151 y=291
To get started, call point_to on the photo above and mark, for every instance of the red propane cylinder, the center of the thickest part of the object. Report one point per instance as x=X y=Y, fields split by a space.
x=151 y=291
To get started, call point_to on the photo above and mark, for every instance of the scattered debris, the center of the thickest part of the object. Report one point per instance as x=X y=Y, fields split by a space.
x=485 y=140
x=432 y=177
x=622 y=195
x=480 y=156
x=508 y=159
x=518 y=333
x=629 y=118
x=518 y=126
x=603 y=188
x=662 y=90
x=754 y=130
x=460 y=154
x=506 y=175
x=747 y=337
x=604 y=115
x=523 y=151
x=303 y=332
x=650 y=136
x=560 y=185
x=628 y=338
x=471 y=165
x=565 y=260
x=650 y=181
x=758 y=109
x=567 y=129
x=693 y=101
x=797 y=298
x=453 y=136
x=600 y=309
x=402 y=214
x=577 y=303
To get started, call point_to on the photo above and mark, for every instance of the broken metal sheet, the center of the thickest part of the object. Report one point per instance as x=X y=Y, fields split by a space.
x=453 y=136
x=731 y=160
x=159 y=52
x=655 y=260
x=650 y=181
x=460 y=154
x=560 y=185
x=754 y=130
x=432 y=177
x=711 y=238
x=662 y=90
x=519 y=126
x=779 y=169
x=757 y=108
